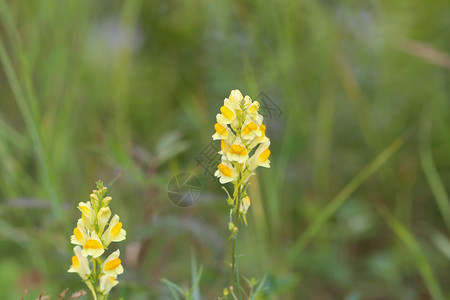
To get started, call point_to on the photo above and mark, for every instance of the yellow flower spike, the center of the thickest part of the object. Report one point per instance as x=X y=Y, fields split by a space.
x=107 y=283
x=226 y=171
x=238 y=152
x=260 y=158
x=240 y=130
x=93 y=246
x=102 y=218
x=80 y=264
x=95 y=216
x=79 y=234
x=115 y=232
x=112 y=265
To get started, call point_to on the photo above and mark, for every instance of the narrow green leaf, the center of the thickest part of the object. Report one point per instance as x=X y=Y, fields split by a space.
x=314 y=228
x=420 y=258
x=429 y=168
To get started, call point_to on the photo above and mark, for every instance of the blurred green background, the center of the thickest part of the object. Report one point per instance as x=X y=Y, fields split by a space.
x=355 y=204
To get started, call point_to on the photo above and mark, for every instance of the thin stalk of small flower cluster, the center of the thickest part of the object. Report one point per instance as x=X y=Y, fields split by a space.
x=92 y=289
x=233 y=258
x=235 y=243
x=103 y=297
x=234 y=265
x=94 y=272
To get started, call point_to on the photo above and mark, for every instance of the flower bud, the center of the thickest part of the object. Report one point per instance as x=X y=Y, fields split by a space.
x=245 y=204
x=94 y=201
x=103 y=217
x=105 y=201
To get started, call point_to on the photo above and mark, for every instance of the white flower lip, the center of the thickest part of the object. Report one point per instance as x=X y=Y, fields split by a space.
x=112 y=265
x=93 y=246
x=79 y=234
x=80 y=264
x=115 y=232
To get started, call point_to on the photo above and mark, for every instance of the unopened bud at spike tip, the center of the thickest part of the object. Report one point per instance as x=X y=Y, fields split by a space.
x=106 y=201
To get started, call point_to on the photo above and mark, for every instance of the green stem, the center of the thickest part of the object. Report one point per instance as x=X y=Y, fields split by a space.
x=237 y=270
x=90 y=286
x=94 y=267
x=233 y=254
x=103 y=297
x=94 y=279
x=235 y=242
x=234 y=265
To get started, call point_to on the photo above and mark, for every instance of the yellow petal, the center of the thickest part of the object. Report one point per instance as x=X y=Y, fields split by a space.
x=220 y=129
x=262 y=128
x=226 y=171
x=116 y=229
x=75 y=262
x=238 y=149
x=264 y=155
x=228 y=113
x=250 y=127
x=111 y=265
x=78 y=235
x=92 y=244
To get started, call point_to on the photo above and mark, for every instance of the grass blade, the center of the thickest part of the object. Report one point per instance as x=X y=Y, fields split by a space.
x=32 y=127
x=420 y=259
x=429 y=168
x=441 y=242
x=343 y=195
x=173 y=288
x=196 y=274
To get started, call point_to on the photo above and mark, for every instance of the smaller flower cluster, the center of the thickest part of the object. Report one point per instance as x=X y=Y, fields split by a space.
x=240 y=129
x=241 y=132
x=92 y=239
x=244 y=146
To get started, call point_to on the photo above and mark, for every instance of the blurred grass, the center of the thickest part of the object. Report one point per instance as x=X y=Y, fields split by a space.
x=91 y=89
x=431 y=173
x=419 y=257
x=343 y=195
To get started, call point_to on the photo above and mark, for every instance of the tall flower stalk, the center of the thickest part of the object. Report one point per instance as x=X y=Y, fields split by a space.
x=244 y=147
x=93 y=234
